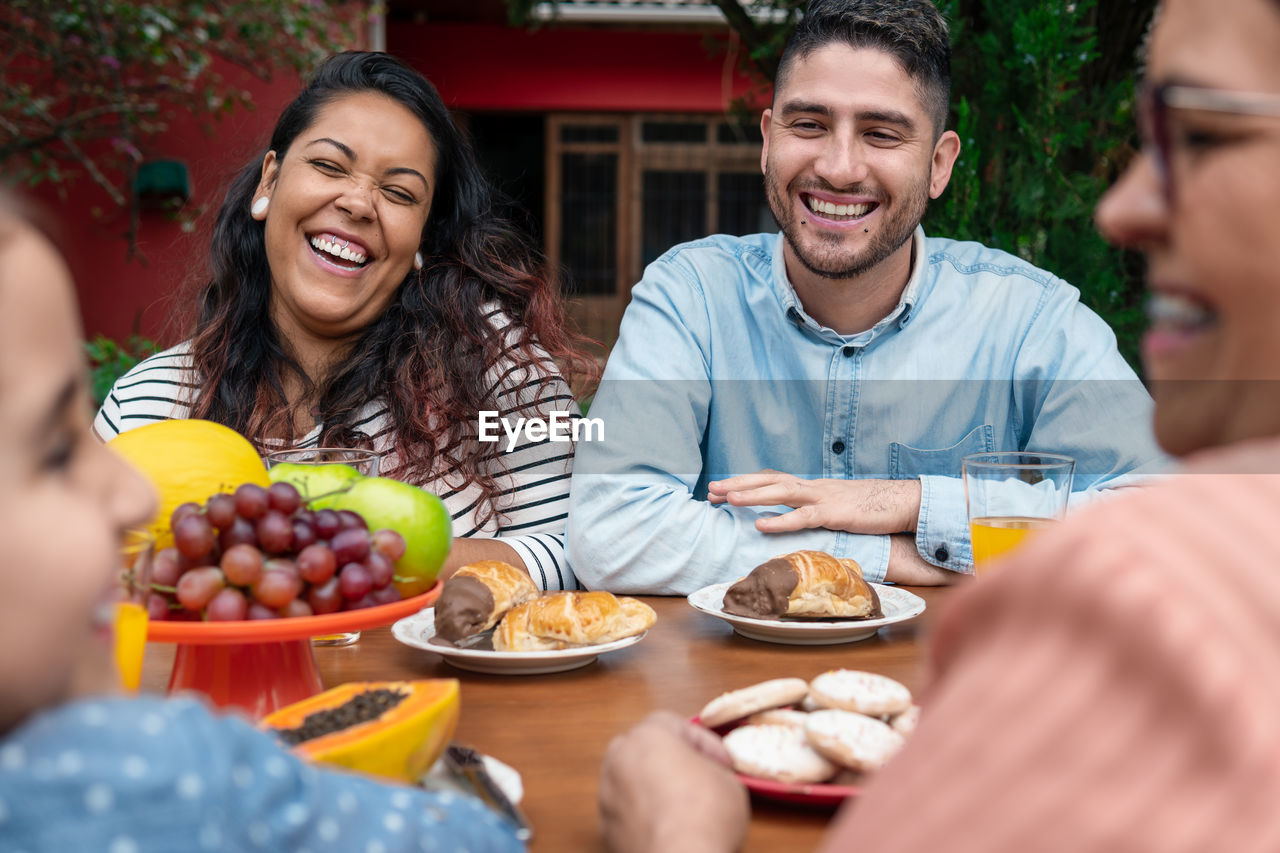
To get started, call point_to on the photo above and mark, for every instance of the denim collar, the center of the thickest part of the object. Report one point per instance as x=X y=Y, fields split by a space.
x=794 y=311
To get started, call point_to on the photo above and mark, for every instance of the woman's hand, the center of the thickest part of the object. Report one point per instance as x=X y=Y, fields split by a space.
x=666 y=786
x=858 y=506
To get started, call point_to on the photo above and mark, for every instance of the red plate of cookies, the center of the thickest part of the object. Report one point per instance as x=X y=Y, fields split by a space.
x=812 y=742
x=825 y=794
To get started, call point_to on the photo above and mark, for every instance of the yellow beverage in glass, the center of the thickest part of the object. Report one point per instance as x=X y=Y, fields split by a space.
x=130 y=641
x=996 y=535
x=130 y=613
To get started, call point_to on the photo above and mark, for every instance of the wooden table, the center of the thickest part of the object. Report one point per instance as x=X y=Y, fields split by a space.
x=554 y=728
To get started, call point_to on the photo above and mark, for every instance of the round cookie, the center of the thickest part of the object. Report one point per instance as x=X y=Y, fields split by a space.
x=782 y=753
x=778 y=717
x=905 y=722
x=737 y=704
x=852 y=740
x=863 y=692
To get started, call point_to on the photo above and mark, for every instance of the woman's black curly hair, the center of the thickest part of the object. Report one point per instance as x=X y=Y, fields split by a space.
x=428 y=354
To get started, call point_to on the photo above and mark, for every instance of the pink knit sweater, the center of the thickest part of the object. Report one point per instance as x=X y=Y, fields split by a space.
x=1114 y=686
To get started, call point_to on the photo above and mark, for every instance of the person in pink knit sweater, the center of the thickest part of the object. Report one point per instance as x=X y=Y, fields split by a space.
x=1115 y=684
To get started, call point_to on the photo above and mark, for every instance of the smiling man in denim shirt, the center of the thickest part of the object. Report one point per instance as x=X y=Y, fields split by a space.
x=849 y=346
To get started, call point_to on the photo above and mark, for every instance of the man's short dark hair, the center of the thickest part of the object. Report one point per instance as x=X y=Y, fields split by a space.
x=912 y=31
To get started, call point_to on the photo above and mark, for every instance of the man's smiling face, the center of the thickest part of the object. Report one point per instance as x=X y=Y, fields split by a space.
x=850 y=160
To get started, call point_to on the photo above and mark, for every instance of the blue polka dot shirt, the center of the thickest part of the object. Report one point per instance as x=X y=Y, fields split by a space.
x=126 y=775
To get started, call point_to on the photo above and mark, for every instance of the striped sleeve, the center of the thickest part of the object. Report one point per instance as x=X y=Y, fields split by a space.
x=158 y=388
x=535 y=471
x=543 y=555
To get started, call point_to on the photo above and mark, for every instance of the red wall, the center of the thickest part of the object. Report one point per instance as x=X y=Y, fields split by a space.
x=475 y=67
x=490 y=67
x=119 y=296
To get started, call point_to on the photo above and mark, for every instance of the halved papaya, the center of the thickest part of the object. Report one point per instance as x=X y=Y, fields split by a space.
x=395 y=729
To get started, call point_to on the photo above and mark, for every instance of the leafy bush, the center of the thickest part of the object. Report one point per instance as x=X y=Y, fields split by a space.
x=1044 y=110
x=109 y=360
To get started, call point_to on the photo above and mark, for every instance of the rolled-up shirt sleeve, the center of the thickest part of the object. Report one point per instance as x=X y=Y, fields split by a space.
x=1074 y=394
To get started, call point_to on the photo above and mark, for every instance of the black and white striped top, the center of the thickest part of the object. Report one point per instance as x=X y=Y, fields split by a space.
x=534 y=489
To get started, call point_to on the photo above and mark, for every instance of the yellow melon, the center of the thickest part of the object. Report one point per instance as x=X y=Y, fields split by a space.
x=189 y=460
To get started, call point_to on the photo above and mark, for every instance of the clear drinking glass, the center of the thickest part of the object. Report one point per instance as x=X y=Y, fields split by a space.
x=129 y=617
x=1010 y=494
x=365 y=463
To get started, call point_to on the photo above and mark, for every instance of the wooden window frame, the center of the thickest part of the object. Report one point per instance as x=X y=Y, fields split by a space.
x=635 y=156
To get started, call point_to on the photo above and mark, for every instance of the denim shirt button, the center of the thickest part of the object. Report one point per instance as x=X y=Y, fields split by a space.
x=837 y=447
x=942 y=554
x=849 y=351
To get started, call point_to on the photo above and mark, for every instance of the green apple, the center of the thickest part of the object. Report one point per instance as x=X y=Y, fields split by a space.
x=318 y=484
x=417 y=515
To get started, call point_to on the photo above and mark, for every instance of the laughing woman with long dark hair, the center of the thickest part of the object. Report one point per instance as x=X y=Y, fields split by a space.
x=363 y=293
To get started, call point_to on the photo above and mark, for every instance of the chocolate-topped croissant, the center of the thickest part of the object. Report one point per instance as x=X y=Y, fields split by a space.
x=566 y=619
x=478 y=595
x=804 y=583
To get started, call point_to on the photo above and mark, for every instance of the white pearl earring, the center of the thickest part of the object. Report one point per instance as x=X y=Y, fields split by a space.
x=260 y=206
x=417 y=261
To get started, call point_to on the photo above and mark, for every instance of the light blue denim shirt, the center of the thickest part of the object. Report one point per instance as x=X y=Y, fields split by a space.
x=718 y=371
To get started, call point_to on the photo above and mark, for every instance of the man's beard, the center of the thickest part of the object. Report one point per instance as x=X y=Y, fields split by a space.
x=834 y=263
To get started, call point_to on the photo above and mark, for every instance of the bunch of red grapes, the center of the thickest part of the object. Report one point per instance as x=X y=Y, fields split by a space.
x=260 y=554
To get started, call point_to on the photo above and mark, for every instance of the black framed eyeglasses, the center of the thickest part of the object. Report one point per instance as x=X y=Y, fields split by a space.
x=1156 y=102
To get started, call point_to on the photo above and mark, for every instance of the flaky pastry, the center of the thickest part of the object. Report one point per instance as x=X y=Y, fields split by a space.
x=478 y=595
x=565 y=619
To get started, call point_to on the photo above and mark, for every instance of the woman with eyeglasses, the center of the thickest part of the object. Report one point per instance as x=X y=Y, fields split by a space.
x=1116 y=684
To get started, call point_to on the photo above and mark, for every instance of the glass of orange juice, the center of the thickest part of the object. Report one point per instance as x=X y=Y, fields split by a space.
x=130 y=614
x=1009 y=494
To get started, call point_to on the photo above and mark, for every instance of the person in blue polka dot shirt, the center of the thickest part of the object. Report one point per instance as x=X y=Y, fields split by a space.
x=82 y=769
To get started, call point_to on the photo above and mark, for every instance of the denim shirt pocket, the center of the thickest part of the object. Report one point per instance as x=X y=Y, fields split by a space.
x=907 y=462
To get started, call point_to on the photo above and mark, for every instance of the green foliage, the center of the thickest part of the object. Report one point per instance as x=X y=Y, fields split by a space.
x=1042 y=140
x=109 y=360
x=86 y=84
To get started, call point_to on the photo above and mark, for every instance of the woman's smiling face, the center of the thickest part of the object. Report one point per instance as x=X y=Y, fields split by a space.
x=1213 y=242
x=348 y=202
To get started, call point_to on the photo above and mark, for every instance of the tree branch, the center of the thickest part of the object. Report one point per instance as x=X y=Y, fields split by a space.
x=92 y=168
x=753 y=37
x=58 y=130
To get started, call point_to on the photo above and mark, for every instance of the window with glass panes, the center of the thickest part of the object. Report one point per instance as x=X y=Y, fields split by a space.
x=622 y=189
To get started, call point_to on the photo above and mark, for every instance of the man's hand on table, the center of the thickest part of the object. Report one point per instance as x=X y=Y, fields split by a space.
x=858 y=506
x=666 y=786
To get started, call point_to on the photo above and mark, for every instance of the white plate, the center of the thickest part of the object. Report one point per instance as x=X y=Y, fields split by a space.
x=898 y=606
x=504 y=776
x=418 y=629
